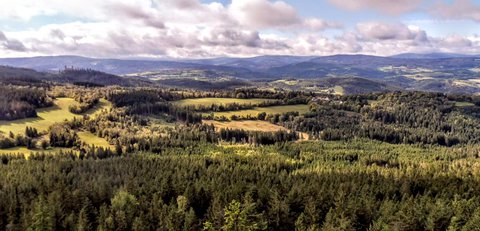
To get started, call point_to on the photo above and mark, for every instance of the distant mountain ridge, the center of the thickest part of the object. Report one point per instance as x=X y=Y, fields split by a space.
x=442 y=72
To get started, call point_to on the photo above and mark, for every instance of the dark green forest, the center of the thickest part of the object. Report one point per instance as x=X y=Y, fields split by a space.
x=355 y=185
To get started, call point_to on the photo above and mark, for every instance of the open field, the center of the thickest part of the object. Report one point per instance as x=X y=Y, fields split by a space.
x=301 y=108
x=48 y=116
x=91 y=139
x=223 y=101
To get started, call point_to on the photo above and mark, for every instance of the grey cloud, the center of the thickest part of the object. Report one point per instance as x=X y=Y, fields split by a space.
x=11 y=44
x=133 y=12
x=15 y=45
x=455 y=41
x=230 y=37
x=184 y=4
x=56 y=33
x=2 y=36
x=264 y=14
x=390 y=31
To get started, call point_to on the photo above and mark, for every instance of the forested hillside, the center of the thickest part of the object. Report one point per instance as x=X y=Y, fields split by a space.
x=21 y=102
x=401 y=117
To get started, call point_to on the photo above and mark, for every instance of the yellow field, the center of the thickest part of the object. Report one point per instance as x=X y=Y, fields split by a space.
x=223 y=101
x=48 y=116
x=92 y=139
x=301 y=108
x=252 y=125
x=248 y=125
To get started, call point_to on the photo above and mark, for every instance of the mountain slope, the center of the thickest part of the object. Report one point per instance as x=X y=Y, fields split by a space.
x=24 y=76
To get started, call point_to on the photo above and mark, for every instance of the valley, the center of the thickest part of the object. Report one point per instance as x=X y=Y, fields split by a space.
x=240 y=115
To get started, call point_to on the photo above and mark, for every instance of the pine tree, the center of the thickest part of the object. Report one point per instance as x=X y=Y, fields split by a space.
x=42 y=217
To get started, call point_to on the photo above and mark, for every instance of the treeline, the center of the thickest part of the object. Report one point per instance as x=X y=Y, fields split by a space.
x=214 y=107
x=288 y=97
x=275 y=118
x=93 y=77
x=85 y=103
x=257 y=137
x=130 y=97
x=176 y=113
x=21 y=102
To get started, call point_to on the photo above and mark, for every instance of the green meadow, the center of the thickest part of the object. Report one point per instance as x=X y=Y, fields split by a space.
x=91 y=139
x=48 y=116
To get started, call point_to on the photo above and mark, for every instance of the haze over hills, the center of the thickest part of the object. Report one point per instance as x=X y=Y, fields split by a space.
x=261 y=64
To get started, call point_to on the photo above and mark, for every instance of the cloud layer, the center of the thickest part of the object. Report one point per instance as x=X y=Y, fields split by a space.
x=192 y=29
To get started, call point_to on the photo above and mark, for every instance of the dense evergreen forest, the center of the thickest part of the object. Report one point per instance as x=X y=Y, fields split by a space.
x=400 y=117
x=384 y=161
x=359 y=185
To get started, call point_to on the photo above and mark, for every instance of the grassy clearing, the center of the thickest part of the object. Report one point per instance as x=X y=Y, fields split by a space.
x=463 y=104
x=339 y=90
x=288 y=82
x=91 y=139
x=28 y=152
x=223 y=101
x=301 y=108
x=48 y=116
x=252 y=125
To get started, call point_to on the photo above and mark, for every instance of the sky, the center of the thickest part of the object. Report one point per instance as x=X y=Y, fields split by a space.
x=236 y=28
